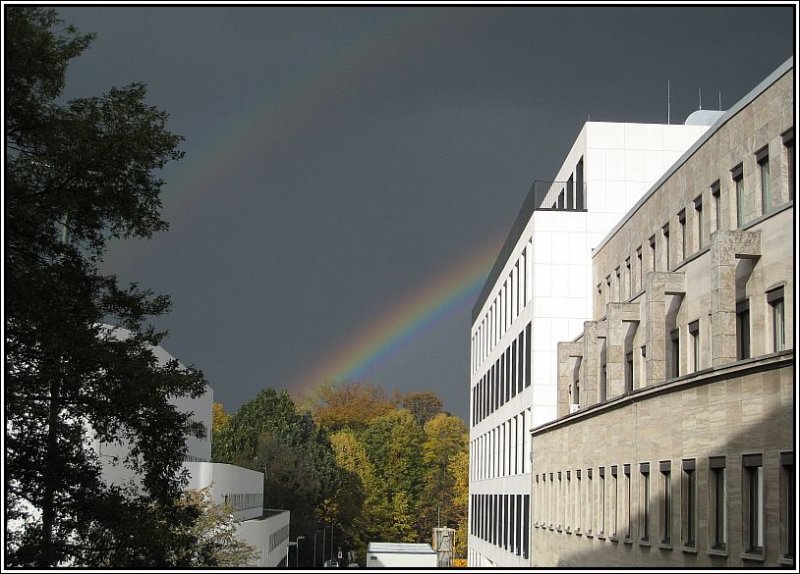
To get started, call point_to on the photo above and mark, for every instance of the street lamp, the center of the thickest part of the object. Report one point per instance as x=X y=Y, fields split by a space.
x=297 y=554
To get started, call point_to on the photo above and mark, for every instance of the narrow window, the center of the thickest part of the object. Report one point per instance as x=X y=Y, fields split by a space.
x=775 y=300
x=688 y=503
x=718 y=503
x=666 y=497
x=570 y=195
x=626 y=471
x=589 y=501
x=675 y=352
x=715 y=197
x=561 y=200
x=578 y=494
x=787 y=505
x=682 y=234
x=743 y=329
x=601 y=473
x=528 y=355
x=580 y=191
x=643 y=366
x=644 y=525
x=762 y=158
x=698 y=225
x=525 y=526
x=665 y=233
x=738 y=181
x=603 y=383
x=788 y=147
x=640 y=268
x=694 y=342
x=753 y=503
x=629 y=277
x=629 y=372
x=614 y=503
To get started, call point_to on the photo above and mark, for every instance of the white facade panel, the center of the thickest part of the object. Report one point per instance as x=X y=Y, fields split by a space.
x=620 y=162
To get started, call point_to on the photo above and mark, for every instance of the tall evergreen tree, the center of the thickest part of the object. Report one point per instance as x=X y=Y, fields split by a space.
x=79 y=175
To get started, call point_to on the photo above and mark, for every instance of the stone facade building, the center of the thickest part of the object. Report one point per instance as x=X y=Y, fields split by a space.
x=674 y=443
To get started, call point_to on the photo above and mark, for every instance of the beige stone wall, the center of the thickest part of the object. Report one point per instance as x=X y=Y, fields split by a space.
x=742 y=409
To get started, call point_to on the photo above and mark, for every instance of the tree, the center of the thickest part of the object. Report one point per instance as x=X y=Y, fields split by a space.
x=219 y=418
x=445 y=437
x=215 y=530
x=459 y=469
x=79 y=175
x=423 y=405
x=269 y=435
x=348 y=404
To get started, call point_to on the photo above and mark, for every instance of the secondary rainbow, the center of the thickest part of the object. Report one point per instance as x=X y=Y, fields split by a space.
x=409 y=320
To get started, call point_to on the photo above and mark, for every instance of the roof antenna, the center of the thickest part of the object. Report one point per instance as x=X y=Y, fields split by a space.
x=700 y=98
x=667 y=102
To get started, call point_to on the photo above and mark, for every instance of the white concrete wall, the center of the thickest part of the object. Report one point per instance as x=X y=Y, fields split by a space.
x=257 y=533
x=401 y=560
x=621 y=162
x=241 y=488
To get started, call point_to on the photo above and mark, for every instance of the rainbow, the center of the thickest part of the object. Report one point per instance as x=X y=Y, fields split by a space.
x=413 y=317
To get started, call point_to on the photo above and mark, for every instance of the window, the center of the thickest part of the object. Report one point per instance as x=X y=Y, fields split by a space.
x=762 y=158
x=629 y=276
x=640 y=268
x=589 y=501
x=578 y=494
x=629 y=372
x=688 y=504
x=601 y=528
x=614 y=503
x=644 y=525
x=694 y=342
x=715 y=197
x=675 y=352
x=525 y=525
x=665 y=233
x=570 y=194
x=738 y=181
x=778 y=319
x=753 y=503
x=626 y=471
x=643 y=366
x=652 y=254
x=666 y=498
x=788 y=147
x=603 y=383
x=567 y=497
x=718 y=515
x=743 y=329
x=682 y=234
x=580 y=192
x=698 y=222
x=787 y=505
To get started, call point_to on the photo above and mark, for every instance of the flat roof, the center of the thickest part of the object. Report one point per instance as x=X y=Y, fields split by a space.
x=401 y=547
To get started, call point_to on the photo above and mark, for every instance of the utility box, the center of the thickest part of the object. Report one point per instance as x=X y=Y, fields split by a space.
x=443 y=545
x=401 y=555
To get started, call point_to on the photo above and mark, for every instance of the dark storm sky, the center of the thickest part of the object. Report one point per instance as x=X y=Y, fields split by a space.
x=341 y=159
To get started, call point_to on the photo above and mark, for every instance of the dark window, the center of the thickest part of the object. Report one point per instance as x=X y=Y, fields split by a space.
x=652 y=245
x=694 y=341
x=715 y=197
x=644 y=525
x=682 y=234
x=675 y=352
x=743 y=329
x=525 y=526
x=688 y=504
x=778 y=319
x=665 y=233
x=698 y=218
x=614 y=502
x=666 y=497
x=626 y=471
x=629 y=371
x=788 y=146
x=762 y=158
x=753 y=503
x=718 y=503
x=580 y=202
x=738 y=181
x=787 y=505
x=528 y=355
x=520 y=363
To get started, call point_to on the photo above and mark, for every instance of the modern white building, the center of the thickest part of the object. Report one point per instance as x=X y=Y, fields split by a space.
x=539 y=292
x=241 y=488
